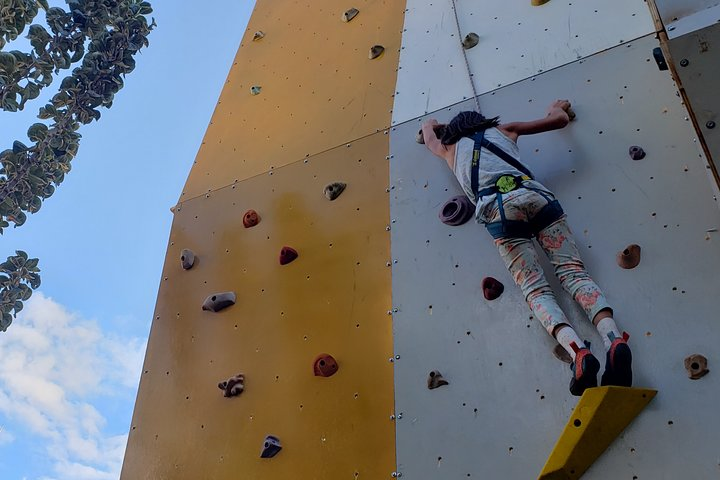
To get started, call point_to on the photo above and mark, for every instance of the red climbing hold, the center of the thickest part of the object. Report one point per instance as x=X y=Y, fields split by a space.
x=630 y=257
x=287 y=255
x=325 y=365
x=251 y=218
x=492 y=288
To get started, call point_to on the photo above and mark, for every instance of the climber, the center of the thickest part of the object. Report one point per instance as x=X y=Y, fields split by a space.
x=483 y=155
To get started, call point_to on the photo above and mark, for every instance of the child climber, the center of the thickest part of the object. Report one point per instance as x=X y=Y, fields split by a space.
x=483 y=155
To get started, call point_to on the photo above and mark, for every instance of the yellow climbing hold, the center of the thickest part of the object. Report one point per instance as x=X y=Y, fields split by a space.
x=599 y=417
x=537 y=3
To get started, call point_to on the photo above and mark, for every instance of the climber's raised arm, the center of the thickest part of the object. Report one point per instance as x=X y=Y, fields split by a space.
x=557 y=117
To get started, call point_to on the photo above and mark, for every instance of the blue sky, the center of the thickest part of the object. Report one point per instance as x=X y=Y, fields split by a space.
x=71 y=361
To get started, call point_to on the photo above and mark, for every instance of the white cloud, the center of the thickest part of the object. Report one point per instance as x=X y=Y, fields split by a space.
x=55 y=368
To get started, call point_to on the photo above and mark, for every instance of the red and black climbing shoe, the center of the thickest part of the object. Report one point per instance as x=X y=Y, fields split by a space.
x=585 y=369
x=618 y=366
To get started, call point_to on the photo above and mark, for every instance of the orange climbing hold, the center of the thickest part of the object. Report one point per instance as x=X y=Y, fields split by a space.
x=537 y=3
x=325 y=365
x=630 y=257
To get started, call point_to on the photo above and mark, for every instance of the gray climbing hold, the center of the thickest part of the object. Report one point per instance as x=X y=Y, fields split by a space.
x=435 y=380
x=187 y=259
x=219 y=301
x=255 y=90
x=376 y=51
x=271 y=447
x=456 y=211
x=233 y=386
x=636 y=153
x=350 y=14
x=470 y=40
x=258 y=36
x=333 y=190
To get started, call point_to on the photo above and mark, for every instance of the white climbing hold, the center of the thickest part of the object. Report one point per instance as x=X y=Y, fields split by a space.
x=350 y=14
x=258 y=35
x=470 y=40
x=255 y=90
x=376 y=51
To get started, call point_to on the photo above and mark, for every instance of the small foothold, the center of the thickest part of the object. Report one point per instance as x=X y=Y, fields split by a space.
x=251 y=218
x=561 y=354
x=255 y=89
x=629 y=257
x=710 y=124
x=258 y=35
x=376 y=51
x=456 y=211
x=324 y=365
x=636 y=153
x=537 y=3
x=287 y=255
x=271 y=447
x=219 y=301
x=470 y=40
x=187 y=259
x=435 y=380
x=333 y=190
x=492 y=288
x=350 y=14
x=684 y=62
x=696 y=366
x=233 y=386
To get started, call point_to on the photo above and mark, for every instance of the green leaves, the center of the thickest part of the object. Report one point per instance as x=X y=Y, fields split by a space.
x=18 y=278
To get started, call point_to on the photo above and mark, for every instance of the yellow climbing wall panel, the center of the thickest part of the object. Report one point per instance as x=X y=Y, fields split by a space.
x=319 y=88
x=319 y=118
x=332 y=299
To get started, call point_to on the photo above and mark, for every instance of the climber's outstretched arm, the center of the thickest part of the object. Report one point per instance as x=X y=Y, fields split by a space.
x=432 y=142
x=557 y=117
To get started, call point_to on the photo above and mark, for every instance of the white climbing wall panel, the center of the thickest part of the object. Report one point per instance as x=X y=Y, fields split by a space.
x=673 y=10
x=516 y=42
x=508 y=398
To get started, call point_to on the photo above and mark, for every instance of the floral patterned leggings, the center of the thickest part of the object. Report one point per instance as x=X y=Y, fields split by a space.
x=523 y=262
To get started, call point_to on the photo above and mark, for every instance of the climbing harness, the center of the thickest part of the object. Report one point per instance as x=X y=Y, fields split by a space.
x=505 y=184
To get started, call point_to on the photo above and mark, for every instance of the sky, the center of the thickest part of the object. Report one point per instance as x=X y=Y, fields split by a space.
x=71 y=361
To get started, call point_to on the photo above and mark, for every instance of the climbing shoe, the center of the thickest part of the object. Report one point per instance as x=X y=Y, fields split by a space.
x=585 y=369
x=618 y=365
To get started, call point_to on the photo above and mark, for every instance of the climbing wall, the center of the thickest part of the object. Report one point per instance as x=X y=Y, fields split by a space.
x=335 y=346
x=507 y=399
x=274 y=152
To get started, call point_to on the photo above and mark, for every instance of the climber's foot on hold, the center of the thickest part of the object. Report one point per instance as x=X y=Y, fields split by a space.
x=618 y=366
x=585 y=369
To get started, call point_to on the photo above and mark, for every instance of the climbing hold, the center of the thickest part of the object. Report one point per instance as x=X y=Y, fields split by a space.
x=325 y=365
x=710 y=124
x=636 y=153
x=456 y=211
x=271 y=447
x=470 y=40
x=492 y=288
x=376 y=51
x=258 y=35
x=696 y=366
x=659 y=58
x=219 y=301
x=630 y=257
x=537 y=3
x=251 y=218
x=350 y=14
x=333 y=190
x=571 y=113
x=439 y=132
x=187 y=259
x=435 y=380
x=287 y=255
x=233 y=386
x=601 y=414
x=561 y=354
x=255 y=89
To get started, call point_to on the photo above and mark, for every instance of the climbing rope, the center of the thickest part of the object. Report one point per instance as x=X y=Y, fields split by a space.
x=467 y=63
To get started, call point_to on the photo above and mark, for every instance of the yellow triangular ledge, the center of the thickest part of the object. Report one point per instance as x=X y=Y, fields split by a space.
x=599 y=417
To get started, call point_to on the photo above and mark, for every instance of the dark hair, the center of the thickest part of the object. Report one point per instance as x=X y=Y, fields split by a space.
x=465 y=124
